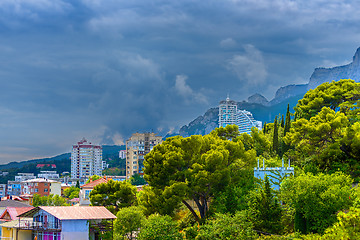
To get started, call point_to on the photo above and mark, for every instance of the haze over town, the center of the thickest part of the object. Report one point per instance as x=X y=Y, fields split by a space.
x=105 y=69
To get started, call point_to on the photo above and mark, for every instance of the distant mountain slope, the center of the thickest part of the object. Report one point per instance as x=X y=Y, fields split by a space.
x=107 y=150
x=265 y=110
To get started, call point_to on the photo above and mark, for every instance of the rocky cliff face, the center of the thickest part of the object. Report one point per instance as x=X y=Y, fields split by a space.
x=288 y=91
x=203 y=124
x=350 y=71
x=259 y=99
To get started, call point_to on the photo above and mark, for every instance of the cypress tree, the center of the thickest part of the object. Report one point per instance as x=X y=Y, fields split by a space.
x=282 y=120
x=287 y=121
x=264 y=128
x=275 y=137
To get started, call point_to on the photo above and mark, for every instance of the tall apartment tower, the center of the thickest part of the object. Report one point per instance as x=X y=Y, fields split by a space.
x=86 y=160
x=137 y=146
x=227 y=112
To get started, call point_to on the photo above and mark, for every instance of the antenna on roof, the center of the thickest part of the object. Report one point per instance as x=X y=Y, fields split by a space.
x=228 y=98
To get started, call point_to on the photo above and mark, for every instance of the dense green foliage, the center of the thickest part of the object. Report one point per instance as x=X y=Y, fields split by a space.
x=264 y=209
x=113 y=195
x=128 y=222
x=51 y=200
x=71 y=192
x=196 y=167
x=158 y=227
x=316 y=199
x=137 y=180
x=225 y=226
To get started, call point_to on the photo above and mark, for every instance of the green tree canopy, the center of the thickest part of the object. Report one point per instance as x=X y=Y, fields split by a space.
x=194 y=168
x=158 y=227
x=137 y=180
x=316 y=199
x=71 y=192
x=128 y=222
x=343 y=95
x=113 y=195
x=51 y=200
x=225 y=226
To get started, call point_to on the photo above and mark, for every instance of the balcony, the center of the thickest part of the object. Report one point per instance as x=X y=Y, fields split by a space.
x=39 y=226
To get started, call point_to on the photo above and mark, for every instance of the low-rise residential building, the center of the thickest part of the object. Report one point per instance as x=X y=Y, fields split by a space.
x=85 y=190
x=24 y=176
x=66 y=223
x=13 y=188
x=41 y=186
x=48 y=175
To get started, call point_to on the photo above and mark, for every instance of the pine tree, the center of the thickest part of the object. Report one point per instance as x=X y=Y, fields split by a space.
x=275 y=144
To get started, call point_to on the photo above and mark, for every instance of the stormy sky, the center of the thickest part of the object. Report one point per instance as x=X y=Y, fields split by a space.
x=103 y=69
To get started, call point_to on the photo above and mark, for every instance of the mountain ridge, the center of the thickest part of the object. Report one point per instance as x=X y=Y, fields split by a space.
x=264 y=110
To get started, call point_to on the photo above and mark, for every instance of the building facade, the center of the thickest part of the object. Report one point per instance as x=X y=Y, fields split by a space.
x=122 y=154
x=41 y=186
x=48 y=175
x=246 y=121
x=86 y=160
x=137 y=146
x=275 y=174
x=229 y=114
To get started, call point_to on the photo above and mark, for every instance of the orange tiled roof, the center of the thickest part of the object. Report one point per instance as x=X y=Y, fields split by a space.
x=92 y=184
x=74 y=213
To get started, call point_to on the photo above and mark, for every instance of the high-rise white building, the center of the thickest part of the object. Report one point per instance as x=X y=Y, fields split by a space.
x=246 y=121
x=137 y=146
x=229 y=114
x=86 y=160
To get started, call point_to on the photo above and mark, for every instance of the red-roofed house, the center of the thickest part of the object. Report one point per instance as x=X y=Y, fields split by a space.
x=67 y=223
x=11 y=213
x=87 y=188
x=9 y=216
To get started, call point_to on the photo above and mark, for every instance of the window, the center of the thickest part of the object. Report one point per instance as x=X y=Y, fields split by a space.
x=36 y=190
x=46 y=190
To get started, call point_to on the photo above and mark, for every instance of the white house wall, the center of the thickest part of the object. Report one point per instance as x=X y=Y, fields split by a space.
x=75 y=230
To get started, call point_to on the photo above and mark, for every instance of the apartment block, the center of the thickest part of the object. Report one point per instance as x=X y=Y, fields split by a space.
x=86 y=160
x=137 y=146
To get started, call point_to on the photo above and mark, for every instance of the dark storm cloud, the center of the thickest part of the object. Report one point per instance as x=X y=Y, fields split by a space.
x=105 y=69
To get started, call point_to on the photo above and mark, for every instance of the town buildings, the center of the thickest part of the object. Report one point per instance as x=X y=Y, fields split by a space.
x=86 y=160
x=137 y=146
x=41 y=186
x=229 y=114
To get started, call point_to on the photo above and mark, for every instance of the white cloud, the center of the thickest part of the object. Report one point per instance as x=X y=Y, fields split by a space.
x=228 y=43
x=186 y=92
x=250 y=66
